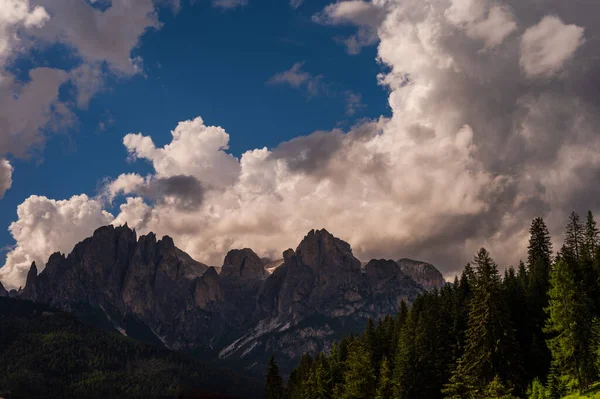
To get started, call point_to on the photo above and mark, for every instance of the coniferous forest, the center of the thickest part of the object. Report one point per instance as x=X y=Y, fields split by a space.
x=533 y=332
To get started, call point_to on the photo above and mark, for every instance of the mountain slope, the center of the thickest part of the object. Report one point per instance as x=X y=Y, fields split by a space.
x=150 y=290
x=50 y=354
x=423 y=273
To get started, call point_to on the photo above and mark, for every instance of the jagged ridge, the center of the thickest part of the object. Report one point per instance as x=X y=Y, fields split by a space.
x=146 y=287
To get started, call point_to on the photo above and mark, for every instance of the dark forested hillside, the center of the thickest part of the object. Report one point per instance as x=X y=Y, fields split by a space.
x=49 y=354
x=532 y=333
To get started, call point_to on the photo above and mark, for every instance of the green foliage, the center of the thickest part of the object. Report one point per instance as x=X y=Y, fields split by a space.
x=489 y=351
x=49 y=354
x=535 y=333
x=537 y=390
x=570 y=326
x=385 y=386
x=359 y=382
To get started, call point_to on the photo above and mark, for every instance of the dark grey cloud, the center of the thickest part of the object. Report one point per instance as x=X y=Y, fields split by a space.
x=186 y=193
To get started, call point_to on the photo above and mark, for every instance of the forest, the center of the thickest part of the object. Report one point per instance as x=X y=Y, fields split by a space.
x=45 y=353
x=532 y=332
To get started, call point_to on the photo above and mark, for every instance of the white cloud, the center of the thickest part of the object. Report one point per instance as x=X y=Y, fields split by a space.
x=15 y=14
x=295 y=4
x=6 y=171
x=96 y=35
x=364 y=14
x=28 y=111
x=546 y=46
x=104 y=40
x=471 y=152
x=196 y=150
x=46 y=226
x=494 y=29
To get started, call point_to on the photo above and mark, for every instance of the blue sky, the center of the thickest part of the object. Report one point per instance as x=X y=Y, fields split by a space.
x=207 y=62
x=467 y=119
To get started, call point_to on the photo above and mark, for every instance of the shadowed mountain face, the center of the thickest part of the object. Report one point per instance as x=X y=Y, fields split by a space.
x=150 y=290
x=423 y=273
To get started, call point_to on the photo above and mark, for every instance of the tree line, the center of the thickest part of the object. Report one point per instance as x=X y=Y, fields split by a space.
x=533 y=332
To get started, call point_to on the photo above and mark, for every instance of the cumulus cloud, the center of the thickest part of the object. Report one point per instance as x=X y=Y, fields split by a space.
x=6 y=171
x=295 y=4
x=96 y=35
x=102 y=40
x=46 y=226
x=473 y=149
x=196 y=150
x=366 y=15
x=28 y=108
x=16 y=15
x=548 y=45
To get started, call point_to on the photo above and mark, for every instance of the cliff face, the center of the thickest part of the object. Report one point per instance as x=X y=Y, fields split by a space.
x=315 y=296
x=149 y=289
x=423 y=273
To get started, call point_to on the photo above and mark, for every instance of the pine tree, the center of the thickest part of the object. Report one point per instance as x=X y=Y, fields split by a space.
x=539 y=251
x=497 y=390
x=359 y=379
x=570 y=326
x=385 y=385
x=574 y=237
x=318 y=385
x=490 y=343
x=539 y=254
x=537 y=390
x=298 y=377
x=273 y=381
x=592 y=235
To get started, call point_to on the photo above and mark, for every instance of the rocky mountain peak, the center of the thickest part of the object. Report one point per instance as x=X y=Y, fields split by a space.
x=423 y=273
x=320 y=248
x=208 y=289
x=244 y=263
x=31 y=278
x=149 y=288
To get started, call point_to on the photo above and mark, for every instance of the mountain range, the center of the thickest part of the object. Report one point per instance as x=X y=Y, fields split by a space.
x=252 y=308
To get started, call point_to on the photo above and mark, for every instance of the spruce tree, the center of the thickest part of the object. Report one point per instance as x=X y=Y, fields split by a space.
x=385 y=384
x=592 y=235
x=405 y=364
x=359 y=379
x=574 y=237
x=490 y=348
x=318 y=385
x=539 y=254
x=570 y=327
x=273 y=381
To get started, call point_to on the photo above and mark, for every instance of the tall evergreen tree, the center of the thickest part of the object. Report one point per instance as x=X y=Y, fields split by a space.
x=405 y=364
x=318 y=385
x=570 y=327
x=539 y=260
x=574 y=237
x=273 y=381
x=298 y=376
x=592 y=235
x=359 y=381
x=490 y=343
x=385 y=384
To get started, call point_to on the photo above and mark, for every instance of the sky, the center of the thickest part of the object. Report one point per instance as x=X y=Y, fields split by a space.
x=408 y=128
